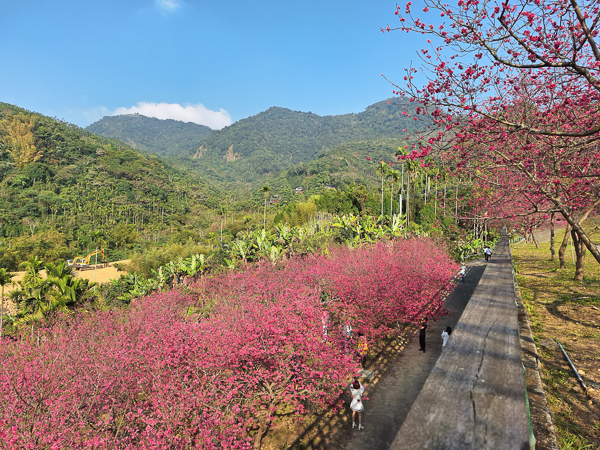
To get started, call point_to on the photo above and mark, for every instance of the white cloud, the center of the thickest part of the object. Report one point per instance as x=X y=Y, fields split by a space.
x=191 y=113
x=169 y=6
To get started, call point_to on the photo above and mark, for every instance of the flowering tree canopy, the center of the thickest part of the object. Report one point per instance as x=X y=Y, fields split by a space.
x=218 y=367
x=514 y=87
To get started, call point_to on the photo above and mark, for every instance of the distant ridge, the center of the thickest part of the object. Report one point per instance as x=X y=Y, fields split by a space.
x=150 y=135
x=277 y=139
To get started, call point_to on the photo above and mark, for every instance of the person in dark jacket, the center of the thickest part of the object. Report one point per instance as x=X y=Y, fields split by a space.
x=422 y=330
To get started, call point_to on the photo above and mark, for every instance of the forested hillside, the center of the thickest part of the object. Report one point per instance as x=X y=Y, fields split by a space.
x=278 y=139
x=64 y=191
x=253 y=151
x=150 y=135
x=338 y=167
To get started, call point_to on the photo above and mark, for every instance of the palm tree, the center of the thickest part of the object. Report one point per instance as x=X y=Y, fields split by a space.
x=5 y=278
x=412 y=167
x=67 y=291
x=394 y=176
x=58 y=270
x=32 y=271
x=382 y=170
x=265 y=190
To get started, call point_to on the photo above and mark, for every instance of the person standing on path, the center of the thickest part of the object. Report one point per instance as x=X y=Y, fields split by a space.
x=325 y=323
x=356 y=391
x=347 y=333
x=488 y=253
x=363 y=349
x=422 y=330
x=445 y=335
x=463 y=272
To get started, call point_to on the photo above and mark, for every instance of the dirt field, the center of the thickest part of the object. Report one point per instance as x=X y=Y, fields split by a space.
x=99 y=276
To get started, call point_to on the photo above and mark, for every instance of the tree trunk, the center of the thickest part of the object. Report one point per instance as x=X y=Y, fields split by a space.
x=260 y=434
x=456 y=206
x=533 y=238
x=563 y=247
x=407 y=200
x=552 y=251
x=2 y=313
x=580 y=255
x=382 y=196
x=400 y=204
x=576 y=225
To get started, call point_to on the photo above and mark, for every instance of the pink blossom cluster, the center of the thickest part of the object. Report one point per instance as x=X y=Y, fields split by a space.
x=218 y=367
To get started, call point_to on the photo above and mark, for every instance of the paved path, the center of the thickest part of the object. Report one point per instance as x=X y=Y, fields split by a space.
x=475 y=397
x=391 y=399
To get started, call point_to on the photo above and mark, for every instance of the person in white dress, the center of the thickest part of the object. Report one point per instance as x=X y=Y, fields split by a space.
x=356 y=391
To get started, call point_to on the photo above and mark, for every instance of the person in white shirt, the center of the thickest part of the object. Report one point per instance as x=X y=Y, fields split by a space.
x=488 y=253
x=347 y=333
x=445 y=335
x=356 y=391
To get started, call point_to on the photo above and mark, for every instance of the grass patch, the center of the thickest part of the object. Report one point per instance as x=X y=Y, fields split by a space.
x=568 y=310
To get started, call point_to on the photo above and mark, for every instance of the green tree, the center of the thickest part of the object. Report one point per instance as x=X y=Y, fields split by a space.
x=32 y=271
x=394 y=176
x=18 y=134
x=412 y=168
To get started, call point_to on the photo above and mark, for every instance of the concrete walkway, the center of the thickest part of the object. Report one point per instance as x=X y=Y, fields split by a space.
x=474 y=398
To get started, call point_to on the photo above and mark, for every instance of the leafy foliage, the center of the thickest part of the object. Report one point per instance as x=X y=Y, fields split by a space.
x=64 y=191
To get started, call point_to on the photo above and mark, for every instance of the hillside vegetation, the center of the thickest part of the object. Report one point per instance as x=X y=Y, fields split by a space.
x=278 y=139
x=64 y=191
x=254 y=150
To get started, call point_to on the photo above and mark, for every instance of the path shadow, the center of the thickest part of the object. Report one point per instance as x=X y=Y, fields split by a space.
x=554 y=309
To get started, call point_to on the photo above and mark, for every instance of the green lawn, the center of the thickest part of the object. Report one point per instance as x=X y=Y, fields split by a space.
x=567 y=310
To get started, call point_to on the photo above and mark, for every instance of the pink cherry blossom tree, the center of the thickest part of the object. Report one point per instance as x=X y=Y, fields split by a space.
x=514 y=89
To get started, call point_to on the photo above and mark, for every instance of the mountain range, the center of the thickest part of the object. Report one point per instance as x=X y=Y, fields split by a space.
x=65 y=190
x=253 y=150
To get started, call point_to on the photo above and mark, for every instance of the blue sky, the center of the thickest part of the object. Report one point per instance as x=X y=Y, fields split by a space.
x=207 y=61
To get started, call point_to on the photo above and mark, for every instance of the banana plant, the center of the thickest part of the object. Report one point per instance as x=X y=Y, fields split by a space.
x=274 y=254
x=284 y=234
x=161 y=277
x=197 y=264
x=241 y=249
x=396 y=225
x=230 y=264
x=263 y=239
